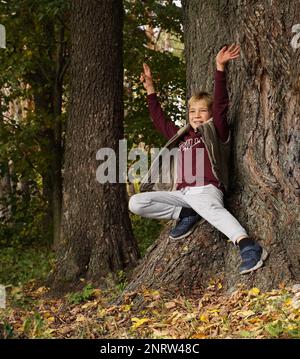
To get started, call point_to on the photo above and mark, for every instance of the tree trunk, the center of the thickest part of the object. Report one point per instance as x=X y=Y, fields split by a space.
x=42 y=99
x=264 y=117
x=96 y=232
x=48 y=105
x=5 y=192
x=61 y=64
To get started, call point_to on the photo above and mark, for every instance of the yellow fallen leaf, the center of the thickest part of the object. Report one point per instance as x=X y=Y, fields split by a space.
x=80 y=318
x=254 y=291
x=199 y=336
x=126 y=307
x=288 y=302
x=292 y=327
x=214 y=310
x=204 y=318
x=88 y=305
x=254 y=320
x=41 y=290
x=202 y=329
x=101 y=313
x=155 y=312
x=212 y=282
x=50 y=320
x=138 y=322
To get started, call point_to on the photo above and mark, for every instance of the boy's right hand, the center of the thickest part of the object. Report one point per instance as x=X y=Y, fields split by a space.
x=227 y=53
x=146 y=79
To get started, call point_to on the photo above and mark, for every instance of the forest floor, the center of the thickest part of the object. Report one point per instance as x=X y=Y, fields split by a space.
x=32 y=313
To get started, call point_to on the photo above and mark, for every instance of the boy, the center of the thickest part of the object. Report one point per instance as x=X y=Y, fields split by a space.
x=207 y=130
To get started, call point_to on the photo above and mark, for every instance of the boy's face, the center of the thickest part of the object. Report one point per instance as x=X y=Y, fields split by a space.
x=198 y=113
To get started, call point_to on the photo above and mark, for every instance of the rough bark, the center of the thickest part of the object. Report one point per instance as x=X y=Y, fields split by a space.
x=265 y=108
x=96 y=233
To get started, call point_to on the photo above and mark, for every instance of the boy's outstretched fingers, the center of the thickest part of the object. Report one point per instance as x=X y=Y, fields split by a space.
x=233 y=49
x=235 y=53
x=223 y=47
x=227 y=53
x=147 y=70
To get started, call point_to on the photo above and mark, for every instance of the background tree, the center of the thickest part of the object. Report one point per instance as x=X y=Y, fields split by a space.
x=34 y=107
x=33 y=81
x=96 y=231
x=264 y=117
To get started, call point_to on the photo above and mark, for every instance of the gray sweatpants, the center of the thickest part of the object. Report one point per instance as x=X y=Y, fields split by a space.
x=207 y=201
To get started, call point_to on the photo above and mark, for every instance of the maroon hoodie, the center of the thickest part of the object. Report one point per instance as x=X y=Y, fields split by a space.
x=193 y=139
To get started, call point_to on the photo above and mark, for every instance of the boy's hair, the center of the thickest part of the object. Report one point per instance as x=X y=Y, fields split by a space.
x=202 y=95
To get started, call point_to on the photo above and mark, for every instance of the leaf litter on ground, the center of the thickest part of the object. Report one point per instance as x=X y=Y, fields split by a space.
x=211 y=314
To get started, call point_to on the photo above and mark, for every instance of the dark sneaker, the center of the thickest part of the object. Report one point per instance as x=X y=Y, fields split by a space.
x=184 y=227
x=252 y=258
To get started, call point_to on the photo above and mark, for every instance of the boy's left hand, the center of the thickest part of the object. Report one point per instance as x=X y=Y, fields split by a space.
x=226 y=54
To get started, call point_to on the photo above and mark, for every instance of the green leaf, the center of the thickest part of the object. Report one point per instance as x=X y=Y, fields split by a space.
x=275 y=328
x=245 y=334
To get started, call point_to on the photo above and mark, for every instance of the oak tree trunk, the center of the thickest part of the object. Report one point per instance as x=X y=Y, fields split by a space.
x=96 y=234
x=264 y=115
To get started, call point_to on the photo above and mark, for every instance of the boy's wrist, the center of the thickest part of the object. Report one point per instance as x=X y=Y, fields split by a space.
x=220 y=67
x=150 y=90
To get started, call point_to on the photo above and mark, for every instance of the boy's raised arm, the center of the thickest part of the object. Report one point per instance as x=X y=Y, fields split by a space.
x=221 y=99
x=164 y=126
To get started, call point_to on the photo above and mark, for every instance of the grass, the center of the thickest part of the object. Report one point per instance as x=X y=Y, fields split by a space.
x=20 y=265
x=145 y=230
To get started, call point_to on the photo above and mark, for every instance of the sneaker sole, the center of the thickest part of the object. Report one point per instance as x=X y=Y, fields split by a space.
x=187 y=233
x=259 y=264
